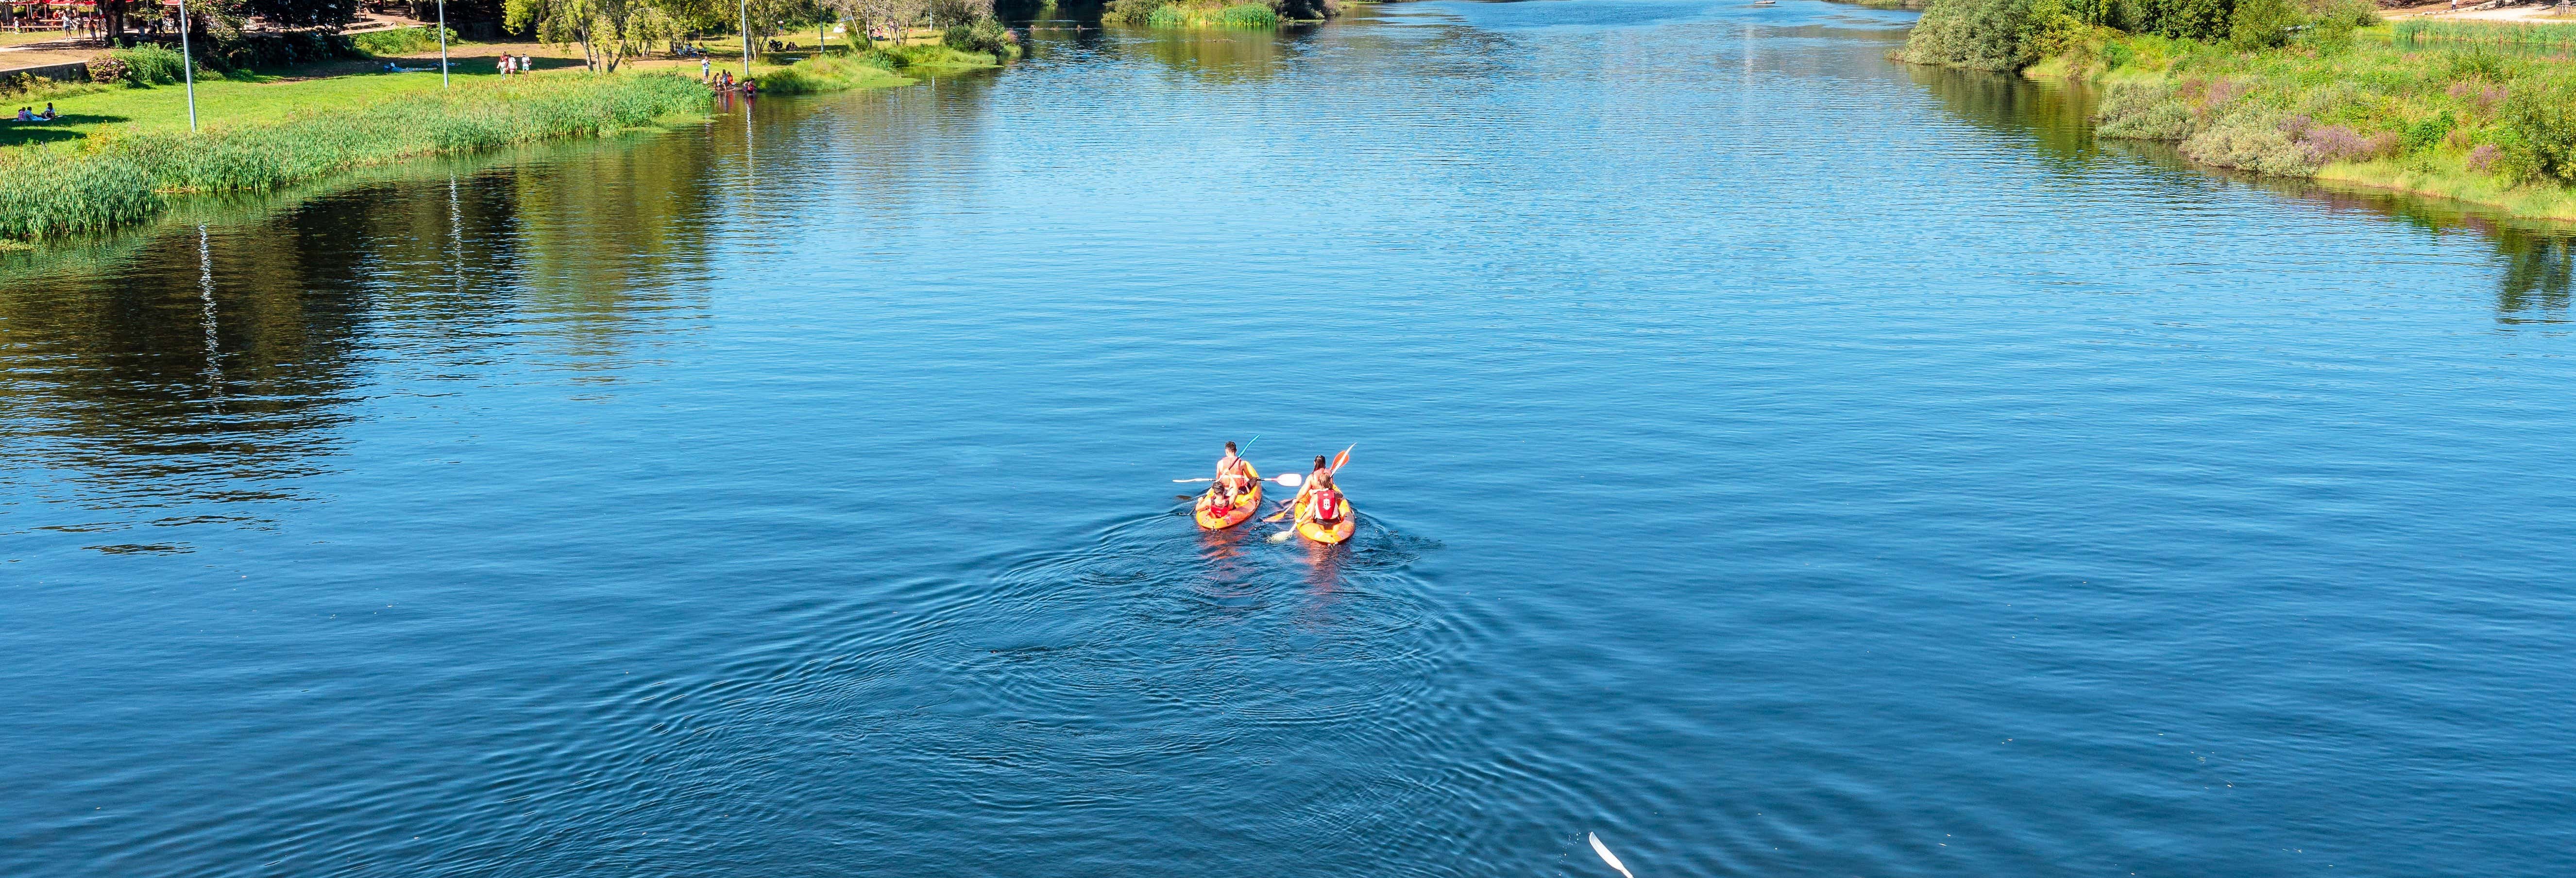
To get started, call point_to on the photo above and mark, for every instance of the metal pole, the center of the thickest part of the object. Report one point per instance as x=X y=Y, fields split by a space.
x=442 y=43
x=746 y=39
x=188 y=64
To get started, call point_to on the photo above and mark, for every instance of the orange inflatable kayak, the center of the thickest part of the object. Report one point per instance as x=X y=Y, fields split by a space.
x=1244 y=506
x=1316 y=531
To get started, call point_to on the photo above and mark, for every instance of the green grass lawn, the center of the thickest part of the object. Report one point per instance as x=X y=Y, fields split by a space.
x=31 y=35
x=226 y=102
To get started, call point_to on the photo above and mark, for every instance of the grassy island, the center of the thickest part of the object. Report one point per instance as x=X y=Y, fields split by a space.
x=2464 y=110
x=1252 y=15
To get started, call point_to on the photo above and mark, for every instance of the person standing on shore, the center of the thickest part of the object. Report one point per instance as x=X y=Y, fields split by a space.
x=705 y=67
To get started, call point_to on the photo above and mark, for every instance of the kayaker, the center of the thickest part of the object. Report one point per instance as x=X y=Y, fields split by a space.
x=1324 y=504
x=1232 y=473
x=1323 y=475
x=1220 y=505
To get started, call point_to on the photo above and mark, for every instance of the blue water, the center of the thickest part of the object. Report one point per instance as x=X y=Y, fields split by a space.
x=1775 y=460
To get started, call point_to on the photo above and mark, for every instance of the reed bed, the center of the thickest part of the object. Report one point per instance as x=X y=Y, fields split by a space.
x=833 y=73
x=2536 y=37
x=118 y=176
x=1190 y=14
x=1240 y=15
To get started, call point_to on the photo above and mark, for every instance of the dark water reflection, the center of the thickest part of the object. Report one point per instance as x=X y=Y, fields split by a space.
x=153 y=388
x=1775 y=459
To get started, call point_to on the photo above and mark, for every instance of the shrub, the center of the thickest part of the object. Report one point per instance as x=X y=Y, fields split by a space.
x=2249 y=142
x=2540 y=133
x=2206 y=20
x=398 y=41
x=2261 y=24
x=2429 y=131
x=986 y=35
x=2478 y=64
x=1132 y=12
x=2327 y=144
x=148 y=65
x=2481 y=98
x=2483 y=158
x=1975 y=34
x=108 y=68
x=2145 y=112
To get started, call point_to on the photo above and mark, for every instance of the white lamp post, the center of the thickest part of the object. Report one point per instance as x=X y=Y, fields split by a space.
x=442 y=43
x=188 y=64
x=746 y=39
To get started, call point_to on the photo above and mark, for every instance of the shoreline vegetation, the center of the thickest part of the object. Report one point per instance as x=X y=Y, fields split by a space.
x=121 y=151
x=122 y=175
x=2316 y=89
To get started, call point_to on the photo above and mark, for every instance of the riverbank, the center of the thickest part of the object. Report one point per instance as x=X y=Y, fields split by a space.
x=118 y=156
x=2281 y=90
x=2463 y=123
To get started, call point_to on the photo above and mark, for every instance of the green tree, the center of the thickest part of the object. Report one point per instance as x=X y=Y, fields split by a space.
x=609 y=31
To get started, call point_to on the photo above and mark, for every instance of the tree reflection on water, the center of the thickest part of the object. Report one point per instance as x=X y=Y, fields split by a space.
x=202 y=370
x=2535 y=257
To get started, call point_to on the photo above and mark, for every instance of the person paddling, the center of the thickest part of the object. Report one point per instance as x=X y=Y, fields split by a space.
x=1324 y=503
x=1233 y=475
x=1322 y=476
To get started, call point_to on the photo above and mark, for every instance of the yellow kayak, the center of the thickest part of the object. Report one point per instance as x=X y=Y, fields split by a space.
x=1211 y=519
x=1316 y=531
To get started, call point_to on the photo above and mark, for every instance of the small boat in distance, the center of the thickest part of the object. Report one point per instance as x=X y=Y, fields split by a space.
x=1766 y=2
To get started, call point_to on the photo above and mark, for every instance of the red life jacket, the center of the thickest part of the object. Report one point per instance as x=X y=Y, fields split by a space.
x=1325 y=505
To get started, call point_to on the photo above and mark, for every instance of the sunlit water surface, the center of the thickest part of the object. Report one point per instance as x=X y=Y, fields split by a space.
x=1775 y=460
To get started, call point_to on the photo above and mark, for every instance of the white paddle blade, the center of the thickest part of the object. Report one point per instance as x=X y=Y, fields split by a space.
x=1606 y=855
x=1187 y=481
x=1291 y=480
x=1283 y=536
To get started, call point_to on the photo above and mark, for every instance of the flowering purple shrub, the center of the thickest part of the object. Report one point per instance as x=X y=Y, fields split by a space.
x=2335 y=143
x=2478 y=95
x=2484 y=157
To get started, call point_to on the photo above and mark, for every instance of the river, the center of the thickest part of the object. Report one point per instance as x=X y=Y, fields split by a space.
x=1775 y=460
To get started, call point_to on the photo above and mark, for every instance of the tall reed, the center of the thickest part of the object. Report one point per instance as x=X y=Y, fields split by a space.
x=2541 y=37
x=117 y=177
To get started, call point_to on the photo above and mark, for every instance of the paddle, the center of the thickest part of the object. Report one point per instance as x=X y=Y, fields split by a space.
x=1606 y=856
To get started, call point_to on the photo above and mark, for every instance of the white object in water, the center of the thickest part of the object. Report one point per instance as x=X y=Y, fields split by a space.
x=1606 y=855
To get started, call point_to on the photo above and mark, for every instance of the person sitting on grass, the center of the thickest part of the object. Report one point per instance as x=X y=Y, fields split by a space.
x=48 y=115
